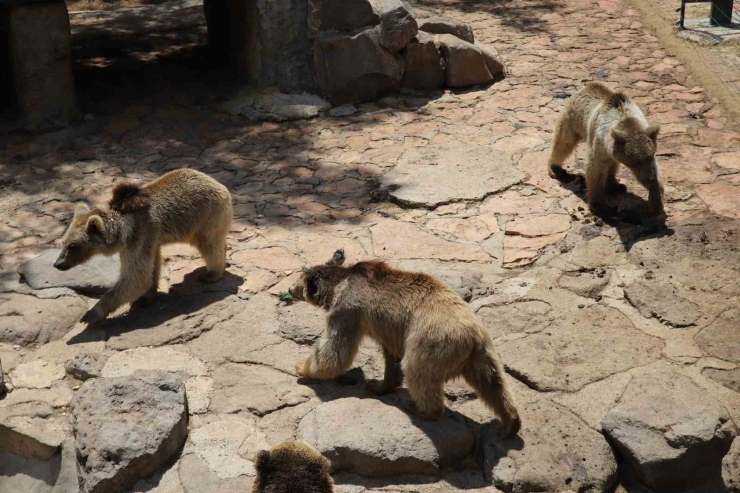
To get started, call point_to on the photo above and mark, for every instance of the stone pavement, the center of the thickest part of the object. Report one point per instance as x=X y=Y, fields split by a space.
x=628 y=331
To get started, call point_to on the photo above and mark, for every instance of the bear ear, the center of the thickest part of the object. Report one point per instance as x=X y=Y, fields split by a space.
x=652 y=131
x=338 y=258
x=619 y=137
x=262 y=461
x=81 y=208
x=94 y=226
x=310 y=273
x=128 y=197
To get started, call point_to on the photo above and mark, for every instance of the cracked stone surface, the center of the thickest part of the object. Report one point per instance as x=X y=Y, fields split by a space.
x=429 y=176
x=451 y=183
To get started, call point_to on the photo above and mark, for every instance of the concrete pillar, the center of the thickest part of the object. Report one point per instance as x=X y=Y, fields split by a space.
x=40 y=48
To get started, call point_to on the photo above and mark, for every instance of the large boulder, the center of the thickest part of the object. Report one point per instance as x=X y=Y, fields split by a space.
x=397 y=24
x=340 y=15
x=671 y=431
x=560 y=452
x=354 y=68
x=445 y=25
x=423 y=64
x=373 y=437
x=93 y=277
x=465 y=63
x=128 y=427
x=731 y=468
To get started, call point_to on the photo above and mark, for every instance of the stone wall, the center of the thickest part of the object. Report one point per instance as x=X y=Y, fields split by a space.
x=349 y=50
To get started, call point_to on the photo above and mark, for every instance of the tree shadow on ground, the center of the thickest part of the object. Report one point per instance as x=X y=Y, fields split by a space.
x=632 y=218
x=522 y=15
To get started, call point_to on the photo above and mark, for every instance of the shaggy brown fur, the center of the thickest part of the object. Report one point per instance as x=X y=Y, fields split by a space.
x=428 y=334
x=292 y=467
x=181 y=206
x=616 y=132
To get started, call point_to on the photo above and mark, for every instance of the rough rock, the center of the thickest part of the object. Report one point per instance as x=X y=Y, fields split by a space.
x=534 y=226
x=37 y=374
x=465 y=64
x=529 y=316
x=85 y=366
x=731 y=468
x=494 y=62
x=340 y=15
x=93 y=277
x=671 y=431
x=301 y=322
x=586 y=284
x=28 y=320
x=126 y=428
x=423 y=64
x=397 y=24
x=658 y=299
x=727 y=378
x=451 y=173
x=256 y=389
x=355 y=68
x=560 y=453
x=392 y=239
x=170 y=320
x=382 y=440
x=445 y=25
x=720 y=337
x=580 y=347
x=41 y=58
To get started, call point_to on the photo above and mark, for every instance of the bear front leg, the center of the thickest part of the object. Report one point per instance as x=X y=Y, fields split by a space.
x=335 y=350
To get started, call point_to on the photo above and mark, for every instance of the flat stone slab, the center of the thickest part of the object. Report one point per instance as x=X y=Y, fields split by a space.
x=301 y=322
x=670 y=430
x=720 y=337
x=28 y=320
x=373 y=437
x=30 y=430
x=727 y=378
x=256 y=389
x=528 y=316
x=169 y=320
x=126 y=428
x=554 y=451
x=93 y=277
x=431 y=176
x=659 y=300
x=584 y=346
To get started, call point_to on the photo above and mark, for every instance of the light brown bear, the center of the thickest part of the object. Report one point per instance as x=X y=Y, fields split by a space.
x=616 y=131
x=428 y=334
x=292 y=467
x=182 y=206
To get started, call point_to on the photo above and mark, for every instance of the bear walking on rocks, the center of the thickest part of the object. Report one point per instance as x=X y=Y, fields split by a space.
x=428 y=334
x=616 y=131
x=292 y=467
x=182 y=206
